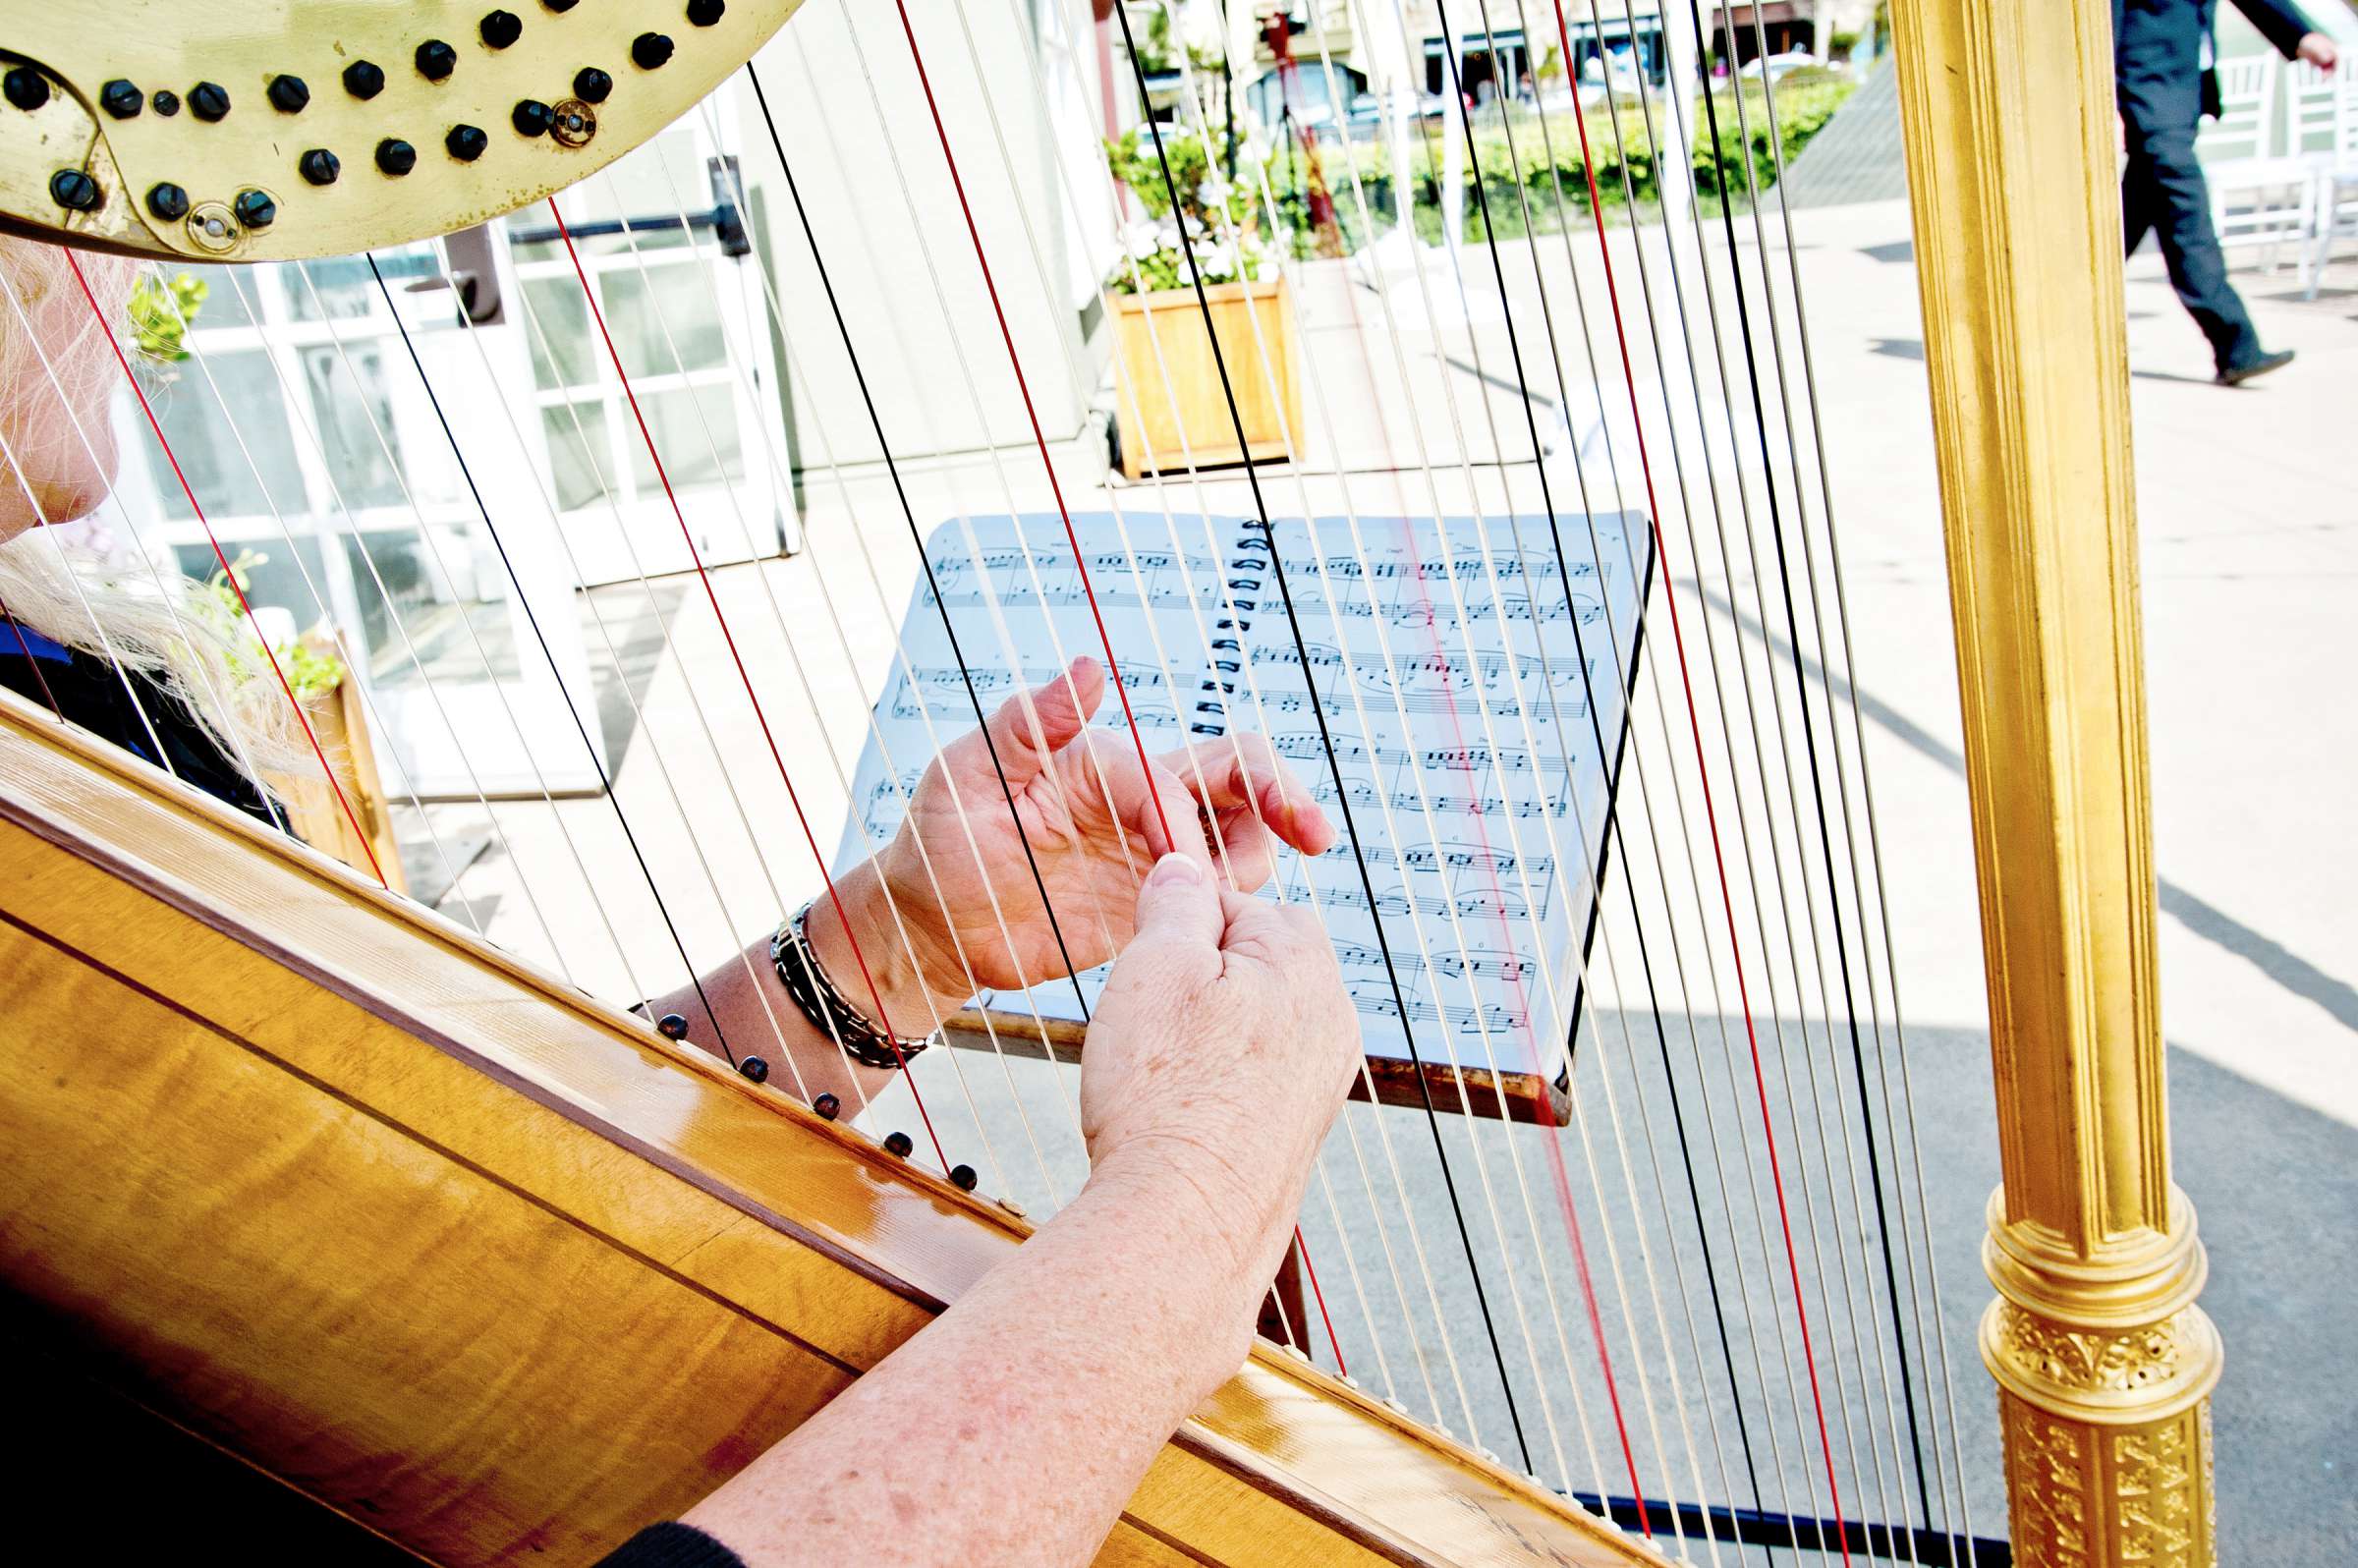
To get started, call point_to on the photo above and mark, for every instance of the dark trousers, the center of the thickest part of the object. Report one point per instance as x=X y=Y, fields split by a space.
x=2161 y=191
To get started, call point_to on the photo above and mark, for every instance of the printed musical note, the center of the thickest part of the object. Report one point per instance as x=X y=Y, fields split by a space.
x=1445 y=684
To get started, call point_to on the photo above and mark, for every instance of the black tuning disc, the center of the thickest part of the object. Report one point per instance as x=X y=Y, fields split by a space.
x=395 y=156
x=165 y=102
x=649 y=50
x=255 y=208
x=121 y=98
x=363 y=80
x=592 y=85
x=168 y=201
x=208 y=100
x=289 y=94
x=755 y=1069
x=320 y=166
x=499 y=29
x=961 y=1177
x=466 y=143
x=435 y=60
x=671 y=1026
x=529 y=117
x=704 y=13
x=25 y=87
x=75 y=191
x=898 y=1146
x=827 y=1107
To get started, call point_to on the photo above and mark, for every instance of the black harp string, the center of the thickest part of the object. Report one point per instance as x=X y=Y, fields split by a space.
x=1938 y=1345
x=1548 y=504
x=1817 y=788
x=1591 y=875
x=572 y=709
x=1782 y=549
x=1318 y=711
x=917 y=537
x=1162 y=488
x=1613 y=822
x=1736 y=777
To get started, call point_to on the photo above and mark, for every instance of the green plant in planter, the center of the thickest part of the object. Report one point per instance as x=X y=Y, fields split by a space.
x=1212 y=208
x=312 y=672
x=161 y=311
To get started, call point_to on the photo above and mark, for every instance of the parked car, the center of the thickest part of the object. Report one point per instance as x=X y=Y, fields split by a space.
x=1774 y=66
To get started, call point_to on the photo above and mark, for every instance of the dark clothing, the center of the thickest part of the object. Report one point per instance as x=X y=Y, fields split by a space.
x=88 y=690
x=2164 y=85
x=672 y=1546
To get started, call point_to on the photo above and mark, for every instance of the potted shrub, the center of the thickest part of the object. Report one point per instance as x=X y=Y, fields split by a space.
x=1178 y=393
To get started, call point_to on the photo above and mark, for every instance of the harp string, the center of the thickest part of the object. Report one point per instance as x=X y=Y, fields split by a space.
x=572 y=709
x=491 y=386
x=1256 y=694
x=1849 y=1299
x=336 y=491
x=98 y=313
x=1318 y=393
x=226 y=709
x=1384 y=298
x=1759 y=906
x=1670 y=600
x=1816 y=942
x=1936 y=1338
x=889 y=615
x=801 y=674
x=875 y=997
x=1624 y=681
x=1660 y=706
x=892 y=772
x=1482 y=530
x=1404 y=1015
x=1489 y=731
x=1809 y=1212
x=1449 y=906
x=1253 y=686
x=1080 y=562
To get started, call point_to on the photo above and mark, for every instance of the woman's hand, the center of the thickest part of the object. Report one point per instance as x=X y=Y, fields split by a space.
x=2319 y=50
x=1089 y=812
x=1219 y=1054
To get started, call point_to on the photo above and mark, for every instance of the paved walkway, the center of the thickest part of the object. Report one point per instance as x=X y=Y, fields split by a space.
x=2250 y=547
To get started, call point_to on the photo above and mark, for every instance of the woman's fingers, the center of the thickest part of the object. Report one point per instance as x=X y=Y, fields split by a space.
x=1150 y=805
x=1030 y=727
x=1242 y=771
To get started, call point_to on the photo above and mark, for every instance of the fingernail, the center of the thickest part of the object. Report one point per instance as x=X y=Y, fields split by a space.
x=1174 y=870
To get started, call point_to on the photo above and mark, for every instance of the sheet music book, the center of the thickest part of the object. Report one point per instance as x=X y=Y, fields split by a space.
x=1507 y=833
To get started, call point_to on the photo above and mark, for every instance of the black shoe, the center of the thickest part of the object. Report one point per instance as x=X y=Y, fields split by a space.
x=2258 y=364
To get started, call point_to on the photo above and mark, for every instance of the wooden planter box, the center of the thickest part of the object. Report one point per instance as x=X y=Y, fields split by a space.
x=340 y=720
x=1153 y=412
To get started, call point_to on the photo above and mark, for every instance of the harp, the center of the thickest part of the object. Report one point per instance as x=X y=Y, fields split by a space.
x=298 y=1177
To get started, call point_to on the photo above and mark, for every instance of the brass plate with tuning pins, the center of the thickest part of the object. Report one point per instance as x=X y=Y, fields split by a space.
x=275 y=129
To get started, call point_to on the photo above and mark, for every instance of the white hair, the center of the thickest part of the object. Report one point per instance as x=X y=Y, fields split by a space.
x=165 y=632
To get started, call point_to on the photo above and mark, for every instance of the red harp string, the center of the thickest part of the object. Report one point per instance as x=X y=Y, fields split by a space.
x=1039 y=439
x=106 y=330
x=704 y=578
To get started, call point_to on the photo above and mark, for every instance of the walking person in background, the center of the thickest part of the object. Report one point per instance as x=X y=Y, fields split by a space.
x=2162 y=55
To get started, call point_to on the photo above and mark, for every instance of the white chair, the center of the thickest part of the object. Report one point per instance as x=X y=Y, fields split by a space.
x=2262 y=193
x=2333 y=193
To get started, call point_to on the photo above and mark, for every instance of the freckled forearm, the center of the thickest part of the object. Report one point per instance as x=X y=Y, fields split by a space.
x=1017 y=1425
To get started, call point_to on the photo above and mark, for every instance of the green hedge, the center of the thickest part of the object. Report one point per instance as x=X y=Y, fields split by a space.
x=1804 y=103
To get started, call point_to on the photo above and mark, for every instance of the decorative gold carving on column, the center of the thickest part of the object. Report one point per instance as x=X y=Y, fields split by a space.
x=2104 y=1363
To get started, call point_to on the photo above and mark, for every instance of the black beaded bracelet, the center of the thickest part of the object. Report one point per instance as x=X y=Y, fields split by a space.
x=825 y=1007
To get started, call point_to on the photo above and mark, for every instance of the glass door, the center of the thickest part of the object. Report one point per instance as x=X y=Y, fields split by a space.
x=322 y=465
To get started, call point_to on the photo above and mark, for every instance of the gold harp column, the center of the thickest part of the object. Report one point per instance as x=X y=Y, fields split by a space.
x=2103 y=1362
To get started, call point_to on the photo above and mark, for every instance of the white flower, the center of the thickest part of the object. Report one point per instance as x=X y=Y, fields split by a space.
x=1142 y=240
x=1212 y=189
x=1219 y=263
